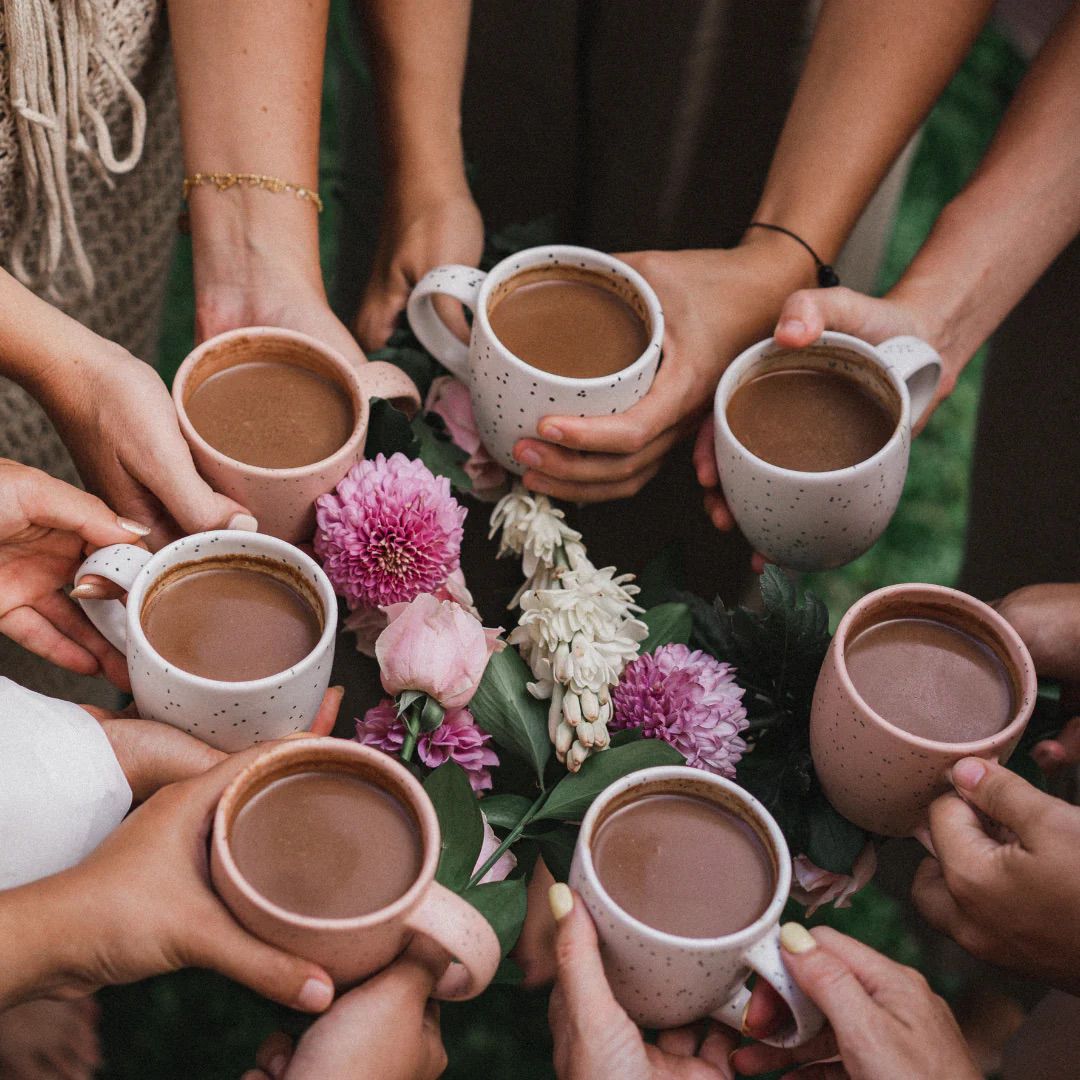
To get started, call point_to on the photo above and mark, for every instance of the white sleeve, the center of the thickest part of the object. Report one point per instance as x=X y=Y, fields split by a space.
x=62 y=791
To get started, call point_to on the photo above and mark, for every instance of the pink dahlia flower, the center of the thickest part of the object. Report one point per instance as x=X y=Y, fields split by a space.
x=456 y=739
x=449 y=399
x=689 y=700
x=813 y=886
x=390 y=530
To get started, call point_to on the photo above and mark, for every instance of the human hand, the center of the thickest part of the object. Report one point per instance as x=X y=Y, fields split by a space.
x=1007 y=873
x=45 y=525
x=716 y=303
x=142 y=904
x=420 y=230
x=594 y=1038
x=886 y=1022
x=386 y=1027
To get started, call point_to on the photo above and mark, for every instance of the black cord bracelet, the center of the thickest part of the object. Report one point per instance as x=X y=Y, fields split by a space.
x=826 y=275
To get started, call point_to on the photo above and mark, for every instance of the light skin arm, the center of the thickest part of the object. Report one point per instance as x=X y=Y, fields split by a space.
x=249 y=76
x=872 y=74
x=418 y=50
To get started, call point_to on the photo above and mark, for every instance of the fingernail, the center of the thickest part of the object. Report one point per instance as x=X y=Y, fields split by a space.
x=795 y=938
x=89 y=592
x=922 y=834
x=967 y=772
x=560 y=900
x=338 y=689
x=529 y=457
x=791 y=326
x=743 y=1029
x=277 y=1065
x=243 y=523
x=315 y=995
x=133 y=526
x=551 y=433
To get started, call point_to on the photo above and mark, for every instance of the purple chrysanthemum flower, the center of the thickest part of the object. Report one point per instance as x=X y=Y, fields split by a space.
x=457 y=738
x=689 y=700
x=389 y=531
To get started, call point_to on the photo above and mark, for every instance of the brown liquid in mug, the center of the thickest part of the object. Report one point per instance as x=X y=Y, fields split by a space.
x=809 y=420
x=329 y=845
x=931 y=679
x=684 y=865
x=229 y=622
x=569 y=326
x=273 y=415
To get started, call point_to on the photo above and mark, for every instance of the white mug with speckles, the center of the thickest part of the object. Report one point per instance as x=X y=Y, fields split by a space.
x=663 y=980
x=820 y=520
x=228 y=715
x=509 y=396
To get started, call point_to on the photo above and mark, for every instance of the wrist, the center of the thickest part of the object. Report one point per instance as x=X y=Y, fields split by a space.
x=785 y=265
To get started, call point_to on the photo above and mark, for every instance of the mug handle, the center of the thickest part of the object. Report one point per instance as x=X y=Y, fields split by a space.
x=765 y=958
x=460 y=930
x=120 y=564
x=462 y=283
x=918 y=365
x=383 y=380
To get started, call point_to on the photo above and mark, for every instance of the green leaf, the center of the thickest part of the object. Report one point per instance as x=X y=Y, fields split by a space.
x=557 y=850
x=835 y=842
x=406 y=698
x=506 y=709
x=504 y=811
x=666 y=623
x=503 y=904
x=508 y=974
x=431 y=715
x=389 y=432
x=627 y=735
x=462 y=828
x=573 y=795
x=441 y=455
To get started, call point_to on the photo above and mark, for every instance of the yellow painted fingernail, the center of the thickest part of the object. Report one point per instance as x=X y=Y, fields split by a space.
x=795 y=938
x=560 y=900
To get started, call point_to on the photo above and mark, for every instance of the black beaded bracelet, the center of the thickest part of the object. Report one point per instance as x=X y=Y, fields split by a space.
x=826 y=275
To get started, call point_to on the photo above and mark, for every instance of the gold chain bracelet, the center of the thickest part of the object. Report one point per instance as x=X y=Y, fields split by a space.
x=224 y=181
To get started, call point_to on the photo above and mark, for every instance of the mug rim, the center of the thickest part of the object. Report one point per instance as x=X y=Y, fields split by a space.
x=660 y=773
x=726 y=388
x=505 y=269
x=326 y=748
x=348 y=451
x=150 y=571
x=957 y=600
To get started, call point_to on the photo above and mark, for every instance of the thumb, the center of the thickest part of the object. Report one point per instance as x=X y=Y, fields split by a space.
x=579 y=970
x=152 y=754
x=1000 y=794
x=807 y=313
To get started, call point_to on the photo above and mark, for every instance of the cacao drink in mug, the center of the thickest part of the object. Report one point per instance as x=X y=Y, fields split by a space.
x=228 y=635
x=275 y=419
x=557 y=330
x=328 y=850
x=812 y=444
x=686 y=875
x=916 y=678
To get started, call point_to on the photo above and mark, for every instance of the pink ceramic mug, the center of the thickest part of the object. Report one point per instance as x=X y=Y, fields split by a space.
x=880 y=776
x=283 y=500
x=352 y=949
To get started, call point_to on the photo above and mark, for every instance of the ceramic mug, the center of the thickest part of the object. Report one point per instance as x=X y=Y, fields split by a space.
x=352 y=949
x=228 y=715
x=509 y=396
x=820 y=520
x=882 y=777
x=663 y=980
x=283 y=500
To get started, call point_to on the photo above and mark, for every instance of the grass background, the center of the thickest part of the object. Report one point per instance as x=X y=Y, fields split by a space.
x=197 y=1025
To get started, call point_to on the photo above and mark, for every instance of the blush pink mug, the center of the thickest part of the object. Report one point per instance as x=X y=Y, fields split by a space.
x=283 y=500
x=352 y=949
x=880 y=776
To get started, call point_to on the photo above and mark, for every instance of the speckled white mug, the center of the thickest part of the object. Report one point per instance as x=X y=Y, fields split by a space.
x=509 y=396
x=663 y=980
x=820 y=520
x=229 y=715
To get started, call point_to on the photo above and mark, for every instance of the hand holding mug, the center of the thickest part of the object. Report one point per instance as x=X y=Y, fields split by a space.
x=1006 y=881
x=885 y=1021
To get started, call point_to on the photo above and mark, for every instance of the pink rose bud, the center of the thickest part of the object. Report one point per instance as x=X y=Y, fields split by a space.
x=502 y=865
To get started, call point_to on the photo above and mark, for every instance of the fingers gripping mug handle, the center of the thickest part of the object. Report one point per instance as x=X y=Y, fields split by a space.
x=457 y=927
x=462 y=283
x=919 y=365
x=766 y=958
x=119 y=564
x=388 y=381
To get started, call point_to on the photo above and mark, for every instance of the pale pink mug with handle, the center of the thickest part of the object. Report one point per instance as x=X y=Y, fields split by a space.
x=352 y=949
x=283 y=500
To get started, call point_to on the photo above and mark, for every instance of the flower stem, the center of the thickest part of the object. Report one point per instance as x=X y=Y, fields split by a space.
x=512 y=837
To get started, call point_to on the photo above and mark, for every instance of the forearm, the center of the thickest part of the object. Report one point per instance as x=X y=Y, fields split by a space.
x=418 y=50
x=872 y=74
x=249 y=76
x=1017 y=213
